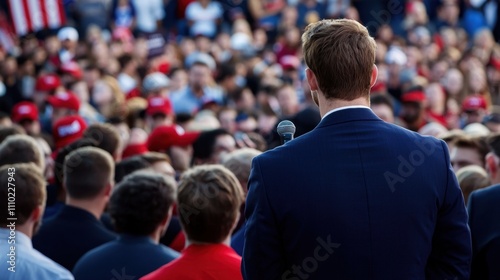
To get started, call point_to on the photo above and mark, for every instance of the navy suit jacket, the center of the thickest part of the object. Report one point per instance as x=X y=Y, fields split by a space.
x=70 y=234
x=483 y=207
x=356 y=198
x=128 y=256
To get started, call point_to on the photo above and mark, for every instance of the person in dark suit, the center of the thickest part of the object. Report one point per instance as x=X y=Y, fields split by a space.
x=140 y=207
x=355 y=198
x=240 y=162
x=76 y=229
x=483 y=208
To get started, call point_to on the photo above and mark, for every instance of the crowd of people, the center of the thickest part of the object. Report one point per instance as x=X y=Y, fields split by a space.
x=132 y=129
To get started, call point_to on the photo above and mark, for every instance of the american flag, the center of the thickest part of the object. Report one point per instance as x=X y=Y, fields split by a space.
x=34 y=15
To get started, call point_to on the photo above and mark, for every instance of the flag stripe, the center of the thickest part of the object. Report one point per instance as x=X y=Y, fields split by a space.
x=34 y=15
x=53 y=15
x=44 y=13
x=27 y=15
x=16 y=10
x=35 y=12
x=62 y=13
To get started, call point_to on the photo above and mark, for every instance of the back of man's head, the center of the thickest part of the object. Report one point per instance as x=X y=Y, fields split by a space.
x=160 y=163
x=61 y=156
x=106 y=137
x=209 y=198
x=240 y=163
x=341 y=54
x=21 y=149
x=204 y=146
x=26 y=193
x=128 y=166
x=87 y=172
x=141 y=202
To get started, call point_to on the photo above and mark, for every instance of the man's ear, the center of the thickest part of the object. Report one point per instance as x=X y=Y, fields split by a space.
x=373 y=79
x=235 y=223
x=491 y=165
x=109 y=189
x=37 y=213
x=166 y=221
x=311 y=79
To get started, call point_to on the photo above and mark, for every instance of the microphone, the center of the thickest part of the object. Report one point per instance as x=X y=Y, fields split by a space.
x=286 y=129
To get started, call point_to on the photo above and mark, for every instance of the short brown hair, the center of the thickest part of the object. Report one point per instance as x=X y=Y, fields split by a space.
x=30 y=191
x=209 y=199
x=154 y=157
x=87 y=171
x=341 y=54
x=141 y=202
x=21 y=149
x=240 y=162
x=105 y=135
x=452 y=136
x=477 y=143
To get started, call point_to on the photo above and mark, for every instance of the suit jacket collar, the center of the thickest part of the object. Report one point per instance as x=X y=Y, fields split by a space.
x=69 y=212
x=348 y=115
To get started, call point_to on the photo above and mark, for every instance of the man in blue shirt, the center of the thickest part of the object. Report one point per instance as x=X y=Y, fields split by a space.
x=140 y=208
x=199 y=91
x=24 y=197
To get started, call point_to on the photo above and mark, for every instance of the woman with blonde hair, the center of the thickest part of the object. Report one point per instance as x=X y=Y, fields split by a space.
x=471 y=178
x=108 y=98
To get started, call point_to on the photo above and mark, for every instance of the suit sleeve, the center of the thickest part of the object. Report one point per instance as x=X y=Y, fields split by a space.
x=470 y=210
x=262 y=252
x=451 y=253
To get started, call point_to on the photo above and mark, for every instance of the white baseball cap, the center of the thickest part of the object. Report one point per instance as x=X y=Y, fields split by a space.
x=199 y=57
x=155 y=81
x=67 y=33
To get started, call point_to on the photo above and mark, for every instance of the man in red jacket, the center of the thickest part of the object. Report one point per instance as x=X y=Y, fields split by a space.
x=208 y=201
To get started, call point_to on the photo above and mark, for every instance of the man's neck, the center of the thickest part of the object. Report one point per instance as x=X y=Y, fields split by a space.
x=156 y=235
x=26 y=228
x=226 y=241
x=93 y=206
x=326 y=106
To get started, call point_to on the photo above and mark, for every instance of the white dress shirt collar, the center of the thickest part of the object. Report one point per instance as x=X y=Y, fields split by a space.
x=344 y=108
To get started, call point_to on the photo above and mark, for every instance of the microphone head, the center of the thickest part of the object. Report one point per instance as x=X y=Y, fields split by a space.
x=286 y=126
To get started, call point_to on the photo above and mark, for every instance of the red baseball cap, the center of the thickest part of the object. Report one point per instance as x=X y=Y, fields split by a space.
x=64 y=100
x=24 y=111
x=47 y=82
x=159 y=105
x=289 y=62
x=72 y=68
x=135 y=149
x=67 y=130
x=472 y=103
x=379 y=87
x=164 y=137
x=413 y=96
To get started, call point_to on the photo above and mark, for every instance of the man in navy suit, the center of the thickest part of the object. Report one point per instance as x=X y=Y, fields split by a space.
x=483 y=207
x=76 y=229
x=356 y=198
x=140 y=207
